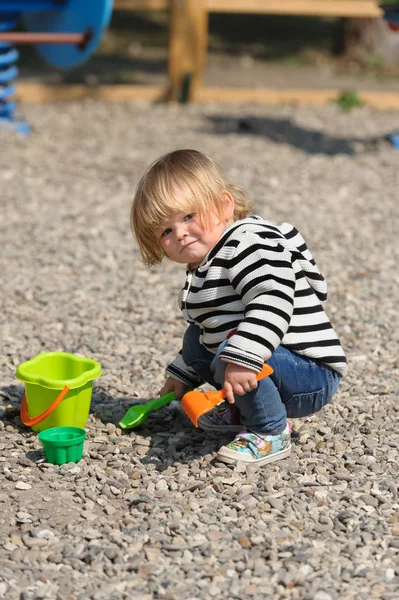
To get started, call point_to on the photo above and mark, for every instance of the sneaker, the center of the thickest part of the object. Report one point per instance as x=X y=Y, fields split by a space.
x=250 y=447
x=224 y=417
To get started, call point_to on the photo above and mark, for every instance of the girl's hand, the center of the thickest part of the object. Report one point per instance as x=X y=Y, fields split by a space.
x=238 y=380
x=174 y=385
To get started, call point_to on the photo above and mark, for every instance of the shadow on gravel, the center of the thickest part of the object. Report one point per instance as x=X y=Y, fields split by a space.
x=35 y=456
x=104 y=70
x=10 y=404
x=283 y=131
x=165 y=438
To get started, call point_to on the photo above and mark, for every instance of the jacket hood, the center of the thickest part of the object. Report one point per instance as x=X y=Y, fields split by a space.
x=288 y=236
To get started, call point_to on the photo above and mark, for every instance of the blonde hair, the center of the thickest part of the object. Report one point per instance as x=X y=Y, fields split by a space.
x=157 y=199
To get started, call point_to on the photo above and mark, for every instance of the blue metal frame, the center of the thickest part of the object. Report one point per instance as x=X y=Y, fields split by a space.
x=391 y=14
x=8 y=73
x=77 y=16
x=47 y=16
x=392 y=17
x=20 y=6
x=394 y=139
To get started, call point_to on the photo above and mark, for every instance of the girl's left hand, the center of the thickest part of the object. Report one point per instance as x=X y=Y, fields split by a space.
x=173 y=385
x=238 y=380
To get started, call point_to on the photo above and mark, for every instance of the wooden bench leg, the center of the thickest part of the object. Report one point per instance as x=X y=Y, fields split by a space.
x=188 y=42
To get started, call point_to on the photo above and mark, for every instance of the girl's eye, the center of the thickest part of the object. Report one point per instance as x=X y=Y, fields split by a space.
x=189 y=216
x=166 y=232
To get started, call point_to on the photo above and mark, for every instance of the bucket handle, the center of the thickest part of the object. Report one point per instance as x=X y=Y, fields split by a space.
x=32 y=421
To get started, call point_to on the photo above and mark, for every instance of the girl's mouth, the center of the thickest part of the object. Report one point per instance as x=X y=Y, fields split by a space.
x=187 y=245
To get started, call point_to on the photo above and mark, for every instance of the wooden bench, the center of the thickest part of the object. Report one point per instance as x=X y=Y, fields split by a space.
x=188 y=29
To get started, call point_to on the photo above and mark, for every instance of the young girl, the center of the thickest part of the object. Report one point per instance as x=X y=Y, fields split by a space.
x=253 y=293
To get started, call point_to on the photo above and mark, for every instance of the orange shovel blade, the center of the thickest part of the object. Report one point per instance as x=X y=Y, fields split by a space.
x=196 y=404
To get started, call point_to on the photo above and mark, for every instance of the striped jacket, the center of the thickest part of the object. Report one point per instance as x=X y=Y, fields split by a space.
x=260 y=285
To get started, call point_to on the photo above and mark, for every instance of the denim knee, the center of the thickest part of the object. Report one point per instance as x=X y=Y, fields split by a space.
x=309 y=403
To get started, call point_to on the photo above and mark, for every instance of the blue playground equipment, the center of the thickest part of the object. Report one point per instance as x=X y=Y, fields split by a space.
x=65 y=32
x=391 y=15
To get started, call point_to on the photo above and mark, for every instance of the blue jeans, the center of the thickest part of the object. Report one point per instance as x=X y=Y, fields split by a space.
x=298 y=387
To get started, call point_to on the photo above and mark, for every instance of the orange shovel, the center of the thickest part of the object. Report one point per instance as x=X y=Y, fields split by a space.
x=196 y=404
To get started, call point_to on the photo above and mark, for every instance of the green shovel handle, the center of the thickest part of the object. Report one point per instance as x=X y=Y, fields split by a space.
x=161 y=401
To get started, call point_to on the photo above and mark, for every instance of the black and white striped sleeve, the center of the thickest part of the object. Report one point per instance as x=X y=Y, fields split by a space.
x=261 y=272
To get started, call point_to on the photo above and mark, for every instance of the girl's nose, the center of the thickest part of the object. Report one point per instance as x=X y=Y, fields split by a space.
x=181 y=231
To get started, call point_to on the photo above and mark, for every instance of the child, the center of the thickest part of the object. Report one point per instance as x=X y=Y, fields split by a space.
x=253 y=293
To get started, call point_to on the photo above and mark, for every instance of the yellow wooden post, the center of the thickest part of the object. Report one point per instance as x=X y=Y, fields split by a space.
x=188 y=41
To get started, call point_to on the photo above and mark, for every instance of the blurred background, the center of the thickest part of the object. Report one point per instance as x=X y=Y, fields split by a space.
x=258 y=50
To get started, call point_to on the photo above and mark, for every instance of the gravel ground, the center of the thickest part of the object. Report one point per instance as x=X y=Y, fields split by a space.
x=151 y=514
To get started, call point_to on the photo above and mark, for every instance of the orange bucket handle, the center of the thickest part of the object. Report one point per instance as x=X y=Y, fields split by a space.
x=32 y=421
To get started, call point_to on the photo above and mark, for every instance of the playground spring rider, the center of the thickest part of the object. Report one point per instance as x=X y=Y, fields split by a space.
x=66 y=33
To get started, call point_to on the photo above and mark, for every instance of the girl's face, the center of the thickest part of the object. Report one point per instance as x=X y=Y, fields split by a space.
x=184 y=239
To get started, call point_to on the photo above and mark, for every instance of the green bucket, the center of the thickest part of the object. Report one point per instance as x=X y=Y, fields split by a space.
x=58 y=389
x=63 y=444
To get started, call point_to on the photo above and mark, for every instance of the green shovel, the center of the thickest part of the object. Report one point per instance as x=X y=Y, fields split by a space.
x=136 y=415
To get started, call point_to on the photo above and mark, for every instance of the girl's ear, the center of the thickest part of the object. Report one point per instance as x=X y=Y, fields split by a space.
x=228 y=206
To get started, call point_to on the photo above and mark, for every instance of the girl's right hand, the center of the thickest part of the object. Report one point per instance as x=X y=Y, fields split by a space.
x=173 y=385
x=238 y=380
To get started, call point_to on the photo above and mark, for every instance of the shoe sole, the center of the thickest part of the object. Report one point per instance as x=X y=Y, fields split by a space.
x=230 y=457
x=219 y=428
